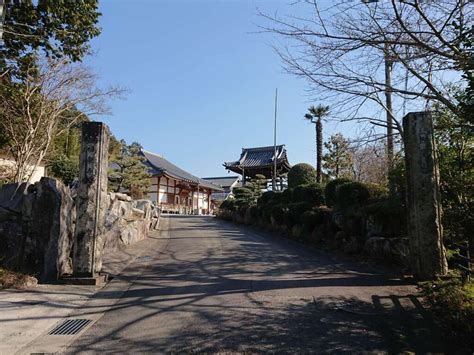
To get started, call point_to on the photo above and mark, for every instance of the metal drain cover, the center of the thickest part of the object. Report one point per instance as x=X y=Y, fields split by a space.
x=144 y=258
x=70 y=327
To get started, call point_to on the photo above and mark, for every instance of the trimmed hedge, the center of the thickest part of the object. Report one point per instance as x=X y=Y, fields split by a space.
x=228 y=205
x=351 y=194
x=312 y=218
x=330 y=190
x=310 y=193
x=295 y=213
x=388 y=213
x=266 y=198
x=301 y=174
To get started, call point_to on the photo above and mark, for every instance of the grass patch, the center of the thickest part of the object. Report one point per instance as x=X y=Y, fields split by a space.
x=452 y=303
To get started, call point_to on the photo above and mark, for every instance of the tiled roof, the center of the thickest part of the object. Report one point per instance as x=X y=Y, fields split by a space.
x=224 y=181
x=159 y=165
x=258 y=157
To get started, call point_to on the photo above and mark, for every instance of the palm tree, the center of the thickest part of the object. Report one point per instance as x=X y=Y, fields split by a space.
x=315 y=115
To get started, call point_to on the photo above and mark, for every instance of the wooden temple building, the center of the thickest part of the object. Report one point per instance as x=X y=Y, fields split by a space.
x=228 y=183
x=261 y=161
x=176 y=190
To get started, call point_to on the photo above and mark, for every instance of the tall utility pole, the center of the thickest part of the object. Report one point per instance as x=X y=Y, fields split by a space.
x=275 y=144
x=388 y=104
x=2 y=17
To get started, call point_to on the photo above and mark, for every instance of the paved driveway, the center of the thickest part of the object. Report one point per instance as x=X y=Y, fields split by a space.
x=217 y=287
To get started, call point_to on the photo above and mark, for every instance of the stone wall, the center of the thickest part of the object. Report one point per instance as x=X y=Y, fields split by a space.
x=359 y=234
x=37 y=225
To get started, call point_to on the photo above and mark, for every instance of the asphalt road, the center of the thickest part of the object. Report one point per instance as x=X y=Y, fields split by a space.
x=218 y=287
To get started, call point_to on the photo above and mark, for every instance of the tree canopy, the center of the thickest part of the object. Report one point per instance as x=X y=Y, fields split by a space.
x=128 y=173
x=338 y=160
x=57 y=29
x=301 y=174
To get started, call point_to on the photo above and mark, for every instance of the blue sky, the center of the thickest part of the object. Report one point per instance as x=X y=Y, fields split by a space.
x=201 y=81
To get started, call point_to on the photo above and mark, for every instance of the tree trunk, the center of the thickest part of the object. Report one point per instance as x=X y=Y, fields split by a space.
x=319 y=149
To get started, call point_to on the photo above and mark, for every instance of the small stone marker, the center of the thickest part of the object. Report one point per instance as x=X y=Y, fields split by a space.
x=91 y=199
x=425 y=231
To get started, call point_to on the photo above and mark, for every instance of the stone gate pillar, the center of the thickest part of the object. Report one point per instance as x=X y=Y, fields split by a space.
x=91 y=199
x=425 y=231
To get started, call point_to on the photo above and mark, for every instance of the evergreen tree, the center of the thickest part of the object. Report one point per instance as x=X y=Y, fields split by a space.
x=248 y=195
x=128 y=173
x=55 y=29
x=338 y=160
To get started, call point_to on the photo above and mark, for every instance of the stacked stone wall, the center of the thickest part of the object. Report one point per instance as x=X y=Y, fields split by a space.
x=37 y=225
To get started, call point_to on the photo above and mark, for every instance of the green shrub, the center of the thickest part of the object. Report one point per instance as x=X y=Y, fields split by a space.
x=330 y=190
x=388 y=213
x=252 y=215
x=278 y=213
x=301 y=174
x=265 y=199
x=64 y=168
x=312 y=218
x=377 y=191
x=228 y=205
x=286 y=196
x=351 y=194
x=295 y=213
x=453 y=306
x=310 y=193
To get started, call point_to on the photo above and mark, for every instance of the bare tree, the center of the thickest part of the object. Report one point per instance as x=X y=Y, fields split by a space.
x=342 y=50
x=52 y=91
x=369 y=163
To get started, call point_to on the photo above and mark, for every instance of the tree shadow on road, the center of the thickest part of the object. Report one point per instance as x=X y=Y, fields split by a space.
x=244 y=292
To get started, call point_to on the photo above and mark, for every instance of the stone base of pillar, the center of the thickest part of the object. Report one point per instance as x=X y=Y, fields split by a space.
x=97 y=280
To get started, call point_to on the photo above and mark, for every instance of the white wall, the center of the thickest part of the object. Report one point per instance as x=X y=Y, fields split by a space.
x=38 y=173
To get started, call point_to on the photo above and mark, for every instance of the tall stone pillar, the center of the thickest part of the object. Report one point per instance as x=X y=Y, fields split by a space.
x=425 y=231
x=91 y=199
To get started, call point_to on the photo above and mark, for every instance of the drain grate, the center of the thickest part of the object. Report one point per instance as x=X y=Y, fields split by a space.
x=70 y=327
x=144 y=258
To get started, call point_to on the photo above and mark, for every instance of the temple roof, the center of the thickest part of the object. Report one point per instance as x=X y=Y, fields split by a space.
x=160 y=166
x=260 y=158
x=224 y=181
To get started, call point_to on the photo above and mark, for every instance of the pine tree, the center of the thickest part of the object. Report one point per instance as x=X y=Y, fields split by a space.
x=338 y=160
x=248 y=195
x=128 y=173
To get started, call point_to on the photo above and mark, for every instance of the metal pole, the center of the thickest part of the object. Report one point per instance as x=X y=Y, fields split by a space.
x=274 y=144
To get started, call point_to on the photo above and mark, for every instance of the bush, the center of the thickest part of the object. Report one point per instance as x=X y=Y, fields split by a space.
x=312 y=218
x=295 y=213
x=310 y=193
x=64 y=168
x=330 y=190
x=388 y=213
x=265 y=199
x=301 y=174
x=286 y=196
x=377 y=191
x=278 y=213
x=453 y=306
x=351 y=194
x=227 y=205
